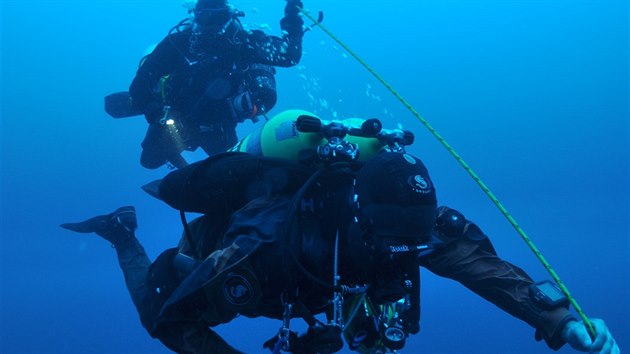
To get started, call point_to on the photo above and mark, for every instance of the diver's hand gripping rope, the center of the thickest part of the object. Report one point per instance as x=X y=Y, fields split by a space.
x=475 y=177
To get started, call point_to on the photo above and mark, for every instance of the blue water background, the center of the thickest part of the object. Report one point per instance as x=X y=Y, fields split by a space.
x=533 y=95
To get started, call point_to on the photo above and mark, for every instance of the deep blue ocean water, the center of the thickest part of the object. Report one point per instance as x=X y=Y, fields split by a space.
x=532 y=94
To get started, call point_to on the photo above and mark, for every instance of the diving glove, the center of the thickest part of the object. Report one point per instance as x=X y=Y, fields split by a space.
x=293 y=8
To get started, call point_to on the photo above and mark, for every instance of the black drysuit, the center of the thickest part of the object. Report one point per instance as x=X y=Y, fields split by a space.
x=256 y=240
x=192 y=77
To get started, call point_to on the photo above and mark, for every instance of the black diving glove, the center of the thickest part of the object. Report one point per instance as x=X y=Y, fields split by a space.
x=292 y=23
x=293 y=8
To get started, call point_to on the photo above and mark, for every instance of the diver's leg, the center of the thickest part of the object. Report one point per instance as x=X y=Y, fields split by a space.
x=214 y=294
x=135 y=264
x=119 y=229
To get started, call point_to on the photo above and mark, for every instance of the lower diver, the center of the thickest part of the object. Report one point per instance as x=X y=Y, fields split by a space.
x=265 y=247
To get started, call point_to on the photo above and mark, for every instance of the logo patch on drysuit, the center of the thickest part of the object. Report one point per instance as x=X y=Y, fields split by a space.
x=237 y=290
x=419 y=184
x=398 y=249
x=409 y=159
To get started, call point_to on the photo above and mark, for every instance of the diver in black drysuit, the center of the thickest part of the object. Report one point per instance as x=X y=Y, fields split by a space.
x=249 y=256
x=208 y=75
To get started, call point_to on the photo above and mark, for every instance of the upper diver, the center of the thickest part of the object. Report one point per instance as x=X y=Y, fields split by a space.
x=208 y=74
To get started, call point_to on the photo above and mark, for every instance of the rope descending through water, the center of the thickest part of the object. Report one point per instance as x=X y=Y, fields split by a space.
x=475 y=177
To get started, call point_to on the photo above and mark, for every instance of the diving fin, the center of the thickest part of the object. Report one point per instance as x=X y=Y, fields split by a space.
x=115 y=227
x=87 y=226
x=153 y=189
x=120 y=105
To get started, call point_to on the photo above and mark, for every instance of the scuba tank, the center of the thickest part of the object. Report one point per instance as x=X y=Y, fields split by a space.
x=296 y=134
x=280 y=138
x=278 y=157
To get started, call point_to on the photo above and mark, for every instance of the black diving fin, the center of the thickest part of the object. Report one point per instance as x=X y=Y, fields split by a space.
x=153 y=189
x=120 y=105
x=106 y=224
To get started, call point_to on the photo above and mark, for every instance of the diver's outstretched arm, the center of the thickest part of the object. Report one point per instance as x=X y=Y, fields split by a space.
x=282 y=51
x=576 y=334
x=468 y=257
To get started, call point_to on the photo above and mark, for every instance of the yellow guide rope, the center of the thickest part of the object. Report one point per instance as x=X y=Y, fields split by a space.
x=472 y=174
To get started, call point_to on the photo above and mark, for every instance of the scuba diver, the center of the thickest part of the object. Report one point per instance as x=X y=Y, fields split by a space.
x=207 y=75
x=339 y=225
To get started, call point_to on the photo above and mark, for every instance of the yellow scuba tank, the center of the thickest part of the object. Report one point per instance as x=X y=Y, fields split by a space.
x=280 y=137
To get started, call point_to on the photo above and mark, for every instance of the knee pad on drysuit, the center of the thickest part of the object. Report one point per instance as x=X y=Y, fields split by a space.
x=163 y=278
